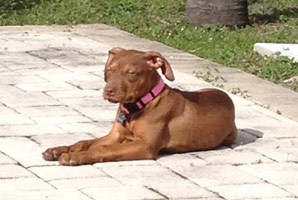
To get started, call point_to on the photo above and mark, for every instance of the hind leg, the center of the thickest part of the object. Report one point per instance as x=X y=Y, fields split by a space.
x=230 y=138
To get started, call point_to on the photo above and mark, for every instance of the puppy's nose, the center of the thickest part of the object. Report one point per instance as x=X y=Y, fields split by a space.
x=110 y=91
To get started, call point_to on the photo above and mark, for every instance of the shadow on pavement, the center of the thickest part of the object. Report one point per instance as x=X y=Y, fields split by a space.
x=246 y=136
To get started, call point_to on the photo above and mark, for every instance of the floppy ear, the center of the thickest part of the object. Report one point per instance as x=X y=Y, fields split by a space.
x=156 y=60
x=112 y=53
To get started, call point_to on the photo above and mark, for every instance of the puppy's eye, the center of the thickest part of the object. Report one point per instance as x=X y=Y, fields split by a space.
x=131 y=74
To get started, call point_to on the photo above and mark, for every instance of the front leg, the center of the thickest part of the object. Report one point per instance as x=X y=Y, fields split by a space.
x=115 y=136
x=134 y=150
x=148 y=139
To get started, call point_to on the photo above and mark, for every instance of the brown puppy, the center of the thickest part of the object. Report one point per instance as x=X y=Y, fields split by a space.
x=152 y=117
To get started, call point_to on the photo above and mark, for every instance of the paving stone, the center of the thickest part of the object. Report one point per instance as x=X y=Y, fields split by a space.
x=66 y=172
x=189 y=86
x=130 y=163
x=52 y=194
x=55 y=120
x=183 y=82
x=89 y=84
x=214 y=175
x=100 y=73
x=253 y=117
x=185 y=191
x=280 y=131
x=278 y=198
x=22 y=184
x=270 y=143
x=75 y=94
x=276 y=130
x=7 y=72
x=232 y=157
x=212 y=198
x=28 y=99
x=292 y=189
x=44 y=87
x=70 y=76
x=67 y=57
x=13 y=171
x=24 y=150
x=29 y=130
x=39 y=71
x=4 y=110
x=257 y=118
x=240 y=102
x=57 y=110
x=250 y=191
x=28 y=61
x=10 y=92
x=33 y=70
x=83 y=183
x=293 y=142
x=47 y=141
x=17 y=79
x=94 y=127
x=4 y=71
x=272 y=198
x=277 y=49
x=106 y=113
x=87 y=67
x=146 y=175
x=280 y=154
x=17 y=66
x=123 y=192
x=105 y=128
x=30 y=41
x=6 y=160
x=180 y=162
x=78 y=102
x=275 y=173
x=14 y=119
x=153 y=176
x=277 y=151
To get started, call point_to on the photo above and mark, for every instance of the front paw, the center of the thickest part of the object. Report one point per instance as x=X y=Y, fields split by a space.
x=53 y=154
x=74 y=158
x=69 y=159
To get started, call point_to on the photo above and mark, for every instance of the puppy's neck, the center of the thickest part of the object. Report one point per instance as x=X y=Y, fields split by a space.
x=130 y=108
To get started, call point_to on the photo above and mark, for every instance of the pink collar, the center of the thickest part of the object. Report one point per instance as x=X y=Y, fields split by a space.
x=129 y=108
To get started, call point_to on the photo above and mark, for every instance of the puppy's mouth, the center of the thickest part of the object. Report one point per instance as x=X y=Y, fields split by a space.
x=111 y=99
x=114 y=99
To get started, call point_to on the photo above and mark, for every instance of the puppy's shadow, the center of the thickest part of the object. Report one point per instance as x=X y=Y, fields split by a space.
x=246 y=136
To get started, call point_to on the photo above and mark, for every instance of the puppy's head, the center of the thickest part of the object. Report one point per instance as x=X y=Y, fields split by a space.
x=130 y=74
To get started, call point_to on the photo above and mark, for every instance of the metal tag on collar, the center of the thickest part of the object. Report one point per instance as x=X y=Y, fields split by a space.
x=121 y=119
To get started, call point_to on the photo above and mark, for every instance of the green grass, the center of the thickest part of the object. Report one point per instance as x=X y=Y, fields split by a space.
x=164 y=21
